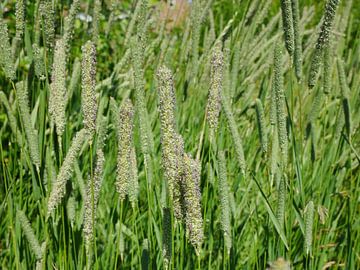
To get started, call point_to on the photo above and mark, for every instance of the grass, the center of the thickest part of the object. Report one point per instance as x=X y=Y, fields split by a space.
x=323 y=143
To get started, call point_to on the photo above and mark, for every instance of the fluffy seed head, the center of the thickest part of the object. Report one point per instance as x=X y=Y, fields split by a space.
x=287 y=19
x=125 y=144
x=216 y=80
x=88 y=83
x=280 y=104
x=224 y=201
x=91 y=201
x=30 y=132
x=6 y=58
x=38 y=62
x=323 y=40
x=20 y=18
x=48 y=22
x=192 y=197
x=66 y=170
x=29 y=234
x=57 y=98
x=69 y=23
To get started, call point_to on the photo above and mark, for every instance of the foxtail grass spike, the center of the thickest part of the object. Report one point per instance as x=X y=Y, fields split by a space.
x=6 y=57
x=91 y=201
x=345 y=94
x=216 y=80
x=192 y=197
x=38 y=62
x=297 y=39
x=309 y=219
x=48 y=23
x=287 y=20
x=261 y=125
x=125 y=144
x=59 y=188
x=70 y=210
x=20 y=18
x=96 y=21
x=57 y=97
x=30 y=132
x=323 y=40
x=168 y=134
x=29 y=234
x=88 y=84
x=69 y=23
x=280 y=105
x=166 y=237
x=224 y=201
x=137 y=59
x=178 y=191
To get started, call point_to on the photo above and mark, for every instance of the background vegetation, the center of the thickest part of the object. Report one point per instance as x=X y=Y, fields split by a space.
x=305 y=210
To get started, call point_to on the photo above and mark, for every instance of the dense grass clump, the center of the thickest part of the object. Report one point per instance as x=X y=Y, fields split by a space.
x=179 y=134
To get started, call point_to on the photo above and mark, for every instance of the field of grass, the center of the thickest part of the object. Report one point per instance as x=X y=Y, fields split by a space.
x=186 y=135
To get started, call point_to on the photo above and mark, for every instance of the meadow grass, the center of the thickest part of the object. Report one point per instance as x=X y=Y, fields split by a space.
x=232 y=126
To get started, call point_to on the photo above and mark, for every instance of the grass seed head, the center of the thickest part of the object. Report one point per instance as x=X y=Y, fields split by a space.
x=30 y=132
x=57 y=98
x=192 y=196
x=88 y=84
x=216 y=80
x=59 y=188
x=287 y=19
x=224 y=201
x=6 y=57
x=29 y=234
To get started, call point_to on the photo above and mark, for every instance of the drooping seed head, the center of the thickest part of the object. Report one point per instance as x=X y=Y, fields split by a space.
x=59 y=188
x=29 y=234
x=322 y=41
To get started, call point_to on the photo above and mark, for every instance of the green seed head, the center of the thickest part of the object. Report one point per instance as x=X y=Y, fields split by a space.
x=88 y=83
